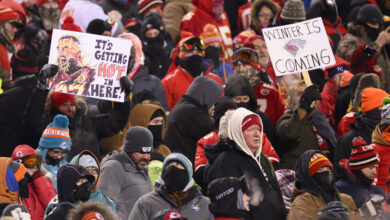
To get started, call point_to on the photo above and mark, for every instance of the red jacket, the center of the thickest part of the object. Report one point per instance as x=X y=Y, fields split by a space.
x=269 y=101
x=244 y=17
x=345 y=123
x=212 y=139
x=195 y=20
x=327 y=104
x=177 y=83
x=41 y=192
x=383 y=175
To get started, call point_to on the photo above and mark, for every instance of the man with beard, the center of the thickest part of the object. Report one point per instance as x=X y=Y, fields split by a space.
x=124 y=176
x=46 y=15
x=72 y=76
x=190 y=56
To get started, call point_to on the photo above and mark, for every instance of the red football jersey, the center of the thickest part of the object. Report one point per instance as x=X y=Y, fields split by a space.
x=269 y=101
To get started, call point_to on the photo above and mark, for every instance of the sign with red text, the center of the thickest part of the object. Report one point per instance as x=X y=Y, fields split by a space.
x=299 y=47
x=88 y=65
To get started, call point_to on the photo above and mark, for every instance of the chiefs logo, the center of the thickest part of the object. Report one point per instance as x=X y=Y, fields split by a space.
x=264 y=91
x=19 y=154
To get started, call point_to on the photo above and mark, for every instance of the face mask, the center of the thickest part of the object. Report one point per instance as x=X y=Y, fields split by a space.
x=213 y=53
x=52 y=161
x=372 y=33
x=157 y=134
x=365 y=181
x=192 y=64
x=374 y=115
x=82 y=192
x=175 y=179
x=156 y=44
x=243 y=105
x=325 y=180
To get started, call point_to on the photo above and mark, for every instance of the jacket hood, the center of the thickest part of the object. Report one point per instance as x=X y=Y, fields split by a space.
x=206 y=5
x=238 y=86
x=141 y=114
x=43 y=152
x=75 y=161
x=304 y=181
x=67 y=177
x=257 y=5
x=204 y=90
x=235 y=132
x=50 y=110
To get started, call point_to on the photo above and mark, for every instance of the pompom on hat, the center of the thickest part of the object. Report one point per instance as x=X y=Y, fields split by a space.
x=362 y=155
x=56 y=134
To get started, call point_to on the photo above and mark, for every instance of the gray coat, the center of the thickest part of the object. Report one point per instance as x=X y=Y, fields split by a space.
x=195 y=205
x=123 y=182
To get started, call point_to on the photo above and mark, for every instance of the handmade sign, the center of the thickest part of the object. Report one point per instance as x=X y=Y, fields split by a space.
x=88 y=65
x=299 y=47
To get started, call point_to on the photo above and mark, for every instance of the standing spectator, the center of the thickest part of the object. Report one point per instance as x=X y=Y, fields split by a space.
x=190 y=120
x=41 y=190
x=124 y=176
x=315 y=186
x=174 y=11
x=262 y=12
x=175 y=191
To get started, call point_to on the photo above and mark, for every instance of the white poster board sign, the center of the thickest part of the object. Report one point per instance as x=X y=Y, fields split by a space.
x=88 y=65
x=299 y=47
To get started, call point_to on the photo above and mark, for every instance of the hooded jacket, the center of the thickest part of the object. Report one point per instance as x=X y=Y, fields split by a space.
x=308 y=197
x=83 y=208
x=256 y=6
x=141 y=115
x=233 y=158
x=381 y=145
x=96 y=194
x=189 y=120
x=123 y=182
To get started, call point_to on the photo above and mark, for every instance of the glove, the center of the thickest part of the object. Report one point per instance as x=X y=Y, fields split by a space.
x=334 y=210
x=126 y=85
x=47 y=71
x=310 y=94
x=372 y=207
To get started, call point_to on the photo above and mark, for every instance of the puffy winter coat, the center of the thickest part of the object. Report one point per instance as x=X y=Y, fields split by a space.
x=382 y=146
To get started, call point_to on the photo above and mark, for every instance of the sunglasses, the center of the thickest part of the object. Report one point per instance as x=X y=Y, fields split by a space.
x=245 y=55
x=30 y=161
x=192 y=44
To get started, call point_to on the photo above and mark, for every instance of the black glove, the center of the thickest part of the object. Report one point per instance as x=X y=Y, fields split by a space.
x=310 y=94
x=47 y=71
x=335 y=210
x=126 y=85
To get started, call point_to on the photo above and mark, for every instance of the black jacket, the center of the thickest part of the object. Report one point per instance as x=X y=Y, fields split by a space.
x=12 y=106
x=342 y=103
x=227 y=161
x=85 y=131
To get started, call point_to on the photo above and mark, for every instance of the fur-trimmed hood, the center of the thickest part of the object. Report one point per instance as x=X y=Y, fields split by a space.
x=50 y=110
x=82 y=208
x=257 y=5
x=366 y=81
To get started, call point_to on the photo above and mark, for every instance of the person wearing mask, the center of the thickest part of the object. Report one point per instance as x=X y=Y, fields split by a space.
x=190 y=53
x=241 y=153
x=315 y=186
x=74 y=185
x=54 y=144
x=124 y=175
x=45 y=14
x=190 y=119
x=366 y=122
x=175 y=190
x=41 y=190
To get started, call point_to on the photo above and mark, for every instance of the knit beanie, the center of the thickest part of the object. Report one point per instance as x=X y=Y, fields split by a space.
x=249 y=121
x=56 y=134
x=293 y=10
x=317 y=161
x=7 y=14
x=369 y=13
x=87 y=160
x=138 y=139
x=98 y=26
x=243 y=36
x=69 y=25
x=210 y=35
x=372 y=98
x=385 y=114
x=178 y=157
x=39 y=2
x=362 y=155
x=144 y=6
x=152 y=21
x=133 y=26
x=16 y=211
x=23 y=63
x=220 y=107
x=57 y=99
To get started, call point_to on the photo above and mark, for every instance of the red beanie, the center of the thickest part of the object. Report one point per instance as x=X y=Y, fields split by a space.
x=317 y=161
x=7 y=14
x=144 y=6
x=250 y=120
x=57 y=99
x=69 y=25
x=39 y=2
x=362 y=155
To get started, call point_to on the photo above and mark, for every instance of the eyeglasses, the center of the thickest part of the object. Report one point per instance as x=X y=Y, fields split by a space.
x=30 y=161
x=270 y=15
x=192 y=44
x=245 y=55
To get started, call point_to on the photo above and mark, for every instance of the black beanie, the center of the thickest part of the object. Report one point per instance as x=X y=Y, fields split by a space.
x=23 y=63
x=157 y=113
x=220 y=107
x=98 y=26
x=152 y=21
x=138 y=139
x=369 y=13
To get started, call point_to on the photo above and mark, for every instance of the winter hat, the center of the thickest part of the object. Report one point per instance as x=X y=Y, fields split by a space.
x=98 y=26
x=87 y=160
x=92 y=215
x=359 y=82
x=138 y=139
x=293 y=10
x=152 y=21
x=144 y=6
x=7 y=14
x=167 y=214
x=69 y=25
x=362 y=155
x=210 y=35
x=340 y=66
x=221 y=106
x=243 y=36
x=23 y=63
x=93 y=208
x=372 y=98
x=56 y=134
x=178 y=157
x=369 y=13
x=317 y=161
x=385 y=114
x=133 y=26
x=39 y=2
x=16 y=211
x=57 y=99
x=22 y=151
x=249 y=121
x=346 y=78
